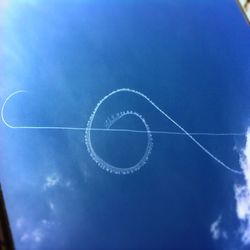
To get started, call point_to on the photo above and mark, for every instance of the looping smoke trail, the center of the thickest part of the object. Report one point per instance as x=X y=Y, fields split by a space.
x=105 y=165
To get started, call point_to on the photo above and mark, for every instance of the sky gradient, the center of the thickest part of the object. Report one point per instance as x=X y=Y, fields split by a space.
x=192 y=59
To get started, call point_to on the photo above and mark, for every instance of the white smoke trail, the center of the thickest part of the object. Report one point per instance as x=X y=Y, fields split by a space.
x=149 y=133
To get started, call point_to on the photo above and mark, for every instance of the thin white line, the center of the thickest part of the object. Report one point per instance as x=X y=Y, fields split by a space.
x=128 y=131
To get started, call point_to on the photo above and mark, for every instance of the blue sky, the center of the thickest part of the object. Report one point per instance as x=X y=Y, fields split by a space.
x=191 y=59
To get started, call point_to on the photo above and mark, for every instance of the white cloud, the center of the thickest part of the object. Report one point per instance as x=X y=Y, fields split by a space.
x=52 y=206
x=54 y=179
x=216 y=230
x=45 y=222
x=68 y=184
x=24 y=237
x=20 y=222
x=30 y=233
x=242 y=193
x=51 y=181
x=37 y=235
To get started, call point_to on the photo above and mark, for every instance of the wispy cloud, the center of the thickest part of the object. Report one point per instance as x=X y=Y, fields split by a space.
x=25 y=236
x=27 y=232
x=51 y=181
x=34 y=236
x=55 y=180
x=216 y=229
x=51 y=206
x=37 y=235
x=20 y=222
x=32 y=233
x=242 y=193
